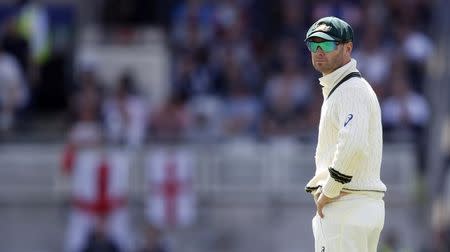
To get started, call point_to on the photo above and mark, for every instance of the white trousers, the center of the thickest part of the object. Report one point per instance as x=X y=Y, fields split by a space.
x=352 y=223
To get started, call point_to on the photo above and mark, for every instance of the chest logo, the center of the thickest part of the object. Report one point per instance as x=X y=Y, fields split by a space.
x=349 y=118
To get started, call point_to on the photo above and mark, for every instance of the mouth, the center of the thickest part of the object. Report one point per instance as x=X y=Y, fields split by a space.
x=319 y=60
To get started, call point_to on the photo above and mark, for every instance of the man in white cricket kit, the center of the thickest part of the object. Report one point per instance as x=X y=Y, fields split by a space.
x=346 y=186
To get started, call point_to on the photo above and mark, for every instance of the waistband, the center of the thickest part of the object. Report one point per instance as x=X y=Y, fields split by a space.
x=370 y=193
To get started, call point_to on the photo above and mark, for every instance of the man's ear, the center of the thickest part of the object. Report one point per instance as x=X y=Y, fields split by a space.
x=348 y=47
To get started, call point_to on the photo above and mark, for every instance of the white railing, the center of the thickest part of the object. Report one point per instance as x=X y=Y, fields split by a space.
x=234 y=171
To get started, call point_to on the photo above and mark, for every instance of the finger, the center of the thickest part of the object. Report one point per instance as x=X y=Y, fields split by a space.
x=319 y=210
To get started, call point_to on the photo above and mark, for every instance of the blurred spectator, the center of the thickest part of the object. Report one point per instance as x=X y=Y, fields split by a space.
x=405 y=112
x=233 y=46
x=125 y=114
x=87 y=94
x=34 y=26
x=193 y=76
x=153 y=241
x=348 y=10
x=405 y=115
x=14 y=43
x=287 y=95
x=206 y=118
x=99 y=185
x=292 y=19
x=171 y=120
x=242 y=108
x=374 y=60
x=85 y=132
x=13 y=91
x=192 y=23
x=440 y=222
x=98 y=239
x=444 y=173
x=416 y=47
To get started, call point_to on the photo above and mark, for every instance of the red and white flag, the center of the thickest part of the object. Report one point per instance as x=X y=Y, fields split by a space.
x=100 y=181
x=171 y=200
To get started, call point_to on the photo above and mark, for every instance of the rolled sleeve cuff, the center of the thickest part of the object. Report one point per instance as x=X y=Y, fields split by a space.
x=332 y=188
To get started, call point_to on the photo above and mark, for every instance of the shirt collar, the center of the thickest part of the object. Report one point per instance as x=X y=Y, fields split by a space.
x=330 y=80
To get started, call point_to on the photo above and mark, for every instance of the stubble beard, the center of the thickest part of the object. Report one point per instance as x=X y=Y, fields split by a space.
x=324 y=68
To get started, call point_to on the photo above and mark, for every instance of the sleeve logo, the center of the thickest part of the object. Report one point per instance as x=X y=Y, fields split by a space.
x=349 y=118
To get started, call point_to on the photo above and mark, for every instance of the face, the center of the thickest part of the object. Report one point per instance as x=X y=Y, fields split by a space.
x=327 y=62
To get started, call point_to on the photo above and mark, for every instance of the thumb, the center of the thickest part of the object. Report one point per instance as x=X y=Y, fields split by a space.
x=319 y=211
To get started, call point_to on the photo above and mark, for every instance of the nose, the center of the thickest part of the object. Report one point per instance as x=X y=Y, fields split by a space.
x=320 y=51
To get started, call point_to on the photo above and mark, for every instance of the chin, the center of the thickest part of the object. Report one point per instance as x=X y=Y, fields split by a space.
x=319 y=67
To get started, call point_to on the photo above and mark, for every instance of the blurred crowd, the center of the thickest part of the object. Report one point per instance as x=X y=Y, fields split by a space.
x=239 y=68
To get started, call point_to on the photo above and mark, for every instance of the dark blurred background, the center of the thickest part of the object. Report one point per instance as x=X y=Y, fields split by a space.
x=194 y=123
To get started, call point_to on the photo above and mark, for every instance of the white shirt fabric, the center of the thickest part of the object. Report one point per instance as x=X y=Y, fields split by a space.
x=12 y=81
x=126 y=125
x=349 y=149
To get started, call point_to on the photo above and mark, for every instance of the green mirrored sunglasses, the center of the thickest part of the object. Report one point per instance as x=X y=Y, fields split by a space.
x=326 y=46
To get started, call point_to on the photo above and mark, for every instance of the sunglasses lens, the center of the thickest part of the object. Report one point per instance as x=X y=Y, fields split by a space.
x=326 y=46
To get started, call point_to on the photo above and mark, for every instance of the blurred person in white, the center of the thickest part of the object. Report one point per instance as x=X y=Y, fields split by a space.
x=13 y=91
x=374 y=59
x=416 y=48
x=347 y=188
x=125 y=114
x=287 y=94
